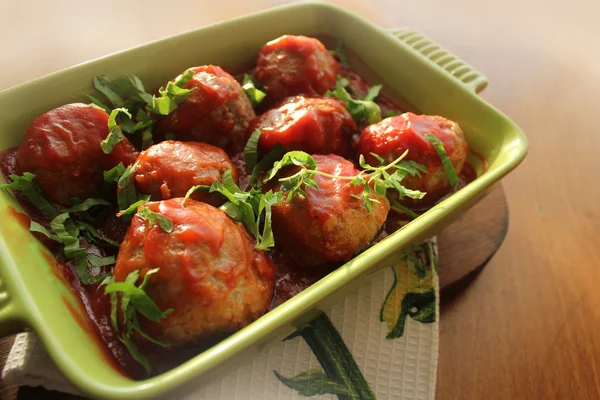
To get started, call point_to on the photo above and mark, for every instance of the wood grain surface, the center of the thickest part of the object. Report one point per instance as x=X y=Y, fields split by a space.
x=529 y=326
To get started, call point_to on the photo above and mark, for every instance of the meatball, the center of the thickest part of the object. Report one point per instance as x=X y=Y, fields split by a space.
x=293 y=65
x=210 y=273
x=393 y=136
x=329 y=224
x=62 y=148
x=217 y=111
x=313 y=125
x=169 y=169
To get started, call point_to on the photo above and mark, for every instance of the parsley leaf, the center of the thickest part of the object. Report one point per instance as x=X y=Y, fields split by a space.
x=255 y=95
x=446 y=162
x=113 y=174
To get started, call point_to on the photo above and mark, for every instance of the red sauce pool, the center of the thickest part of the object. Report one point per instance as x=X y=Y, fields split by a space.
x=291 y=279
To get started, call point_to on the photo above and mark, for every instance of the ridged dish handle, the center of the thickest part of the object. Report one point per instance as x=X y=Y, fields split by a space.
x=457 y=68
x=10 y=319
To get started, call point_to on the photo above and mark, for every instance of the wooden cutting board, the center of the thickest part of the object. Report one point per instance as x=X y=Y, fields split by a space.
x=464 y=249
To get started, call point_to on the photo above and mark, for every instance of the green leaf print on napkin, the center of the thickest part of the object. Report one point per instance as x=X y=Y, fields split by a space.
x=413 y=291
x=312 y=382
x=341 y=375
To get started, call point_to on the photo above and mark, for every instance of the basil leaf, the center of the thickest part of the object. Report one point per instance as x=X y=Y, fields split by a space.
x=115 y=135
x=267 y=162
x=113 y=174
x=87 y=204
x=97 y=103
x=32 y=192
x=361 y=110
x=98 y=261
x=93 y=236
x=154 y=218
x=254 y=94
x=126 y=192
x=132 y=209
x=372 y=93
x=35 y=227
x=251 y=150
x=136 y=354
x=339 y=52
x=171 y=95
x=446 y=162
x=124 y=91
x=268 y=200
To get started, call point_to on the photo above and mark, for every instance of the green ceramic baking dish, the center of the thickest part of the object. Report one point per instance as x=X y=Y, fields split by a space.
x=428 y=78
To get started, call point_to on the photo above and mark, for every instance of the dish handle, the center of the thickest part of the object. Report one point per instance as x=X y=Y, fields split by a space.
x=11 y=320
x=453 y=65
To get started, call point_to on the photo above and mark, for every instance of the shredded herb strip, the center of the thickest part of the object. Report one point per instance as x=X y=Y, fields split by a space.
x=63 y=228
x=362 y=110
x=155 y=218
x=32 y=192
x=251 y=150
x=446 y=162
x=171 y=95
x=252 y=208
x=134 y=302
x=251 y=88
x=115 y=134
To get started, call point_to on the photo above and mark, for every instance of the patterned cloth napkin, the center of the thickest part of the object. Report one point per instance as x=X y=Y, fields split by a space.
x=379 y=342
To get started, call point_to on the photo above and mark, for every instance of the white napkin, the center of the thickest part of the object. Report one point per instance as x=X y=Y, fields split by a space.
x=401 y=367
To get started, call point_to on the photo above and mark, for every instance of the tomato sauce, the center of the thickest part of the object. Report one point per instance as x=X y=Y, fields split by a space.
x=290 y=278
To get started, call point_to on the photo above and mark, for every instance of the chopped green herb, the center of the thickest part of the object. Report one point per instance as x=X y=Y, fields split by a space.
x=251 y=89
x=126 y=192
x=134 y=301
x=266 y=163
x=171 y=95
x=132 y=209
x=251 y=150
x=87 y=204
x=99 y=261
x=113 y=174
x=252 y=208
x=115 y=135
x=446 y=162
x=361 y=110
x=32 y=192
x=154 y=218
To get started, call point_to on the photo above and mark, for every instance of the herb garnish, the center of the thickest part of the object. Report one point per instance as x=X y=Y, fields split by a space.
x=362 y=110
x=251 y=88
x=134 y=301
x=251 y=150
x=379 y=179
x=171 y=95
x=446 y=162
x=252 y=208
x=154 y=218
x=115 y=134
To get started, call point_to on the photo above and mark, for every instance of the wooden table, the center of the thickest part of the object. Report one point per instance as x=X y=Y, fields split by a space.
x=529 y=325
